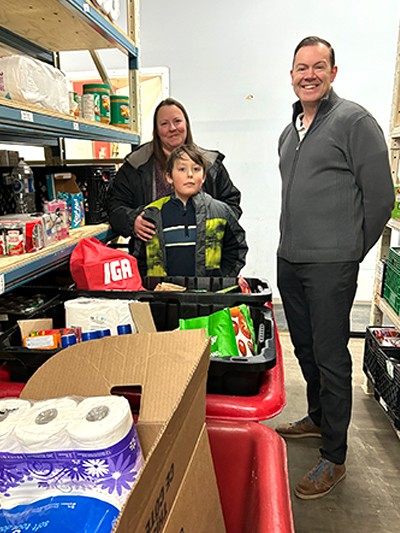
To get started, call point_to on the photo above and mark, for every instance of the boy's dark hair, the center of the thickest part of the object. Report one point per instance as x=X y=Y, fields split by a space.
x=191 y=151
x=312 y=41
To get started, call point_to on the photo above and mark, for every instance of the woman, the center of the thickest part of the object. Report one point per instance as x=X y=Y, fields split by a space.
x=140 y=180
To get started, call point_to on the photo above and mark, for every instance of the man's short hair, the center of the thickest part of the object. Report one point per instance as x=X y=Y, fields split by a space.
x=312 y=41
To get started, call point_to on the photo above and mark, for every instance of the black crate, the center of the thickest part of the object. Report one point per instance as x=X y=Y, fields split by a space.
x=393 y=415
x=374 y=354
x=387 y=383
x=22 y=304
x=231 y=375
x=201 y=291
x=93 y=180
x=241 y=376
x=22 y=361
x=382 y=366
x=7 y=202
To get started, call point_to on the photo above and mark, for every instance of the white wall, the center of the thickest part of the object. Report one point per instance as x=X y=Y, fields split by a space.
x=221 y=51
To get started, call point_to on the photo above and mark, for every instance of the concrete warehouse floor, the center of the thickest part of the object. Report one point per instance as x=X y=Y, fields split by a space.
x=368 y=499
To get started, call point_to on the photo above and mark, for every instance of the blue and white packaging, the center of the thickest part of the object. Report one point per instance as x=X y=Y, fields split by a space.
x=72 y=465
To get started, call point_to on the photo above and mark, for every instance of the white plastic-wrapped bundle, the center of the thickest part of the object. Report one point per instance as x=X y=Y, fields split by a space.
x=98 y=313
x=84 y=481
x=26 y=79
x=11 y=410
x=111 y=8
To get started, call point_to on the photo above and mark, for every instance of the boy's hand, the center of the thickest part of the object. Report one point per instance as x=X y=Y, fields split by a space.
x=143 y=229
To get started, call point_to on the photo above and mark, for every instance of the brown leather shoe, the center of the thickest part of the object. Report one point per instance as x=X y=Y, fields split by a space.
x=299 y=430
x=320 y=480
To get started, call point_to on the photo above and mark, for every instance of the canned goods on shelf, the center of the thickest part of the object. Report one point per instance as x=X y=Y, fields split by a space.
x=120 y=111
x=101 y=94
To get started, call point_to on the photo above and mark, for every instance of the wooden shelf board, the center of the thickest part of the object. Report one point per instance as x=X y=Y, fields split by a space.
x=57 y=26
x=387 y=310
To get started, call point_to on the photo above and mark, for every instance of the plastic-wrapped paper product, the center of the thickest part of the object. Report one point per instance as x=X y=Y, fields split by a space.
x=98 y=313
x=111 y=8
x=80 y=485
x=11 y=410
x=26 y=79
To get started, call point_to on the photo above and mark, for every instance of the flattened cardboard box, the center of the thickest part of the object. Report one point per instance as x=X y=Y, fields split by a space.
x=171 y=369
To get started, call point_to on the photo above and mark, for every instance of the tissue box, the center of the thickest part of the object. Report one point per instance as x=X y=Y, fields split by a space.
x=171 y=370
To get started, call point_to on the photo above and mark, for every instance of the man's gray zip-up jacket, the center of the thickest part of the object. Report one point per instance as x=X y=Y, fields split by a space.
x=337 y=191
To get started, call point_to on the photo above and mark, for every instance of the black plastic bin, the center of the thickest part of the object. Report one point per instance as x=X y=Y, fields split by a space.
x=229 y=375
x=382 y=366
x=93 y=181
x=22 y=362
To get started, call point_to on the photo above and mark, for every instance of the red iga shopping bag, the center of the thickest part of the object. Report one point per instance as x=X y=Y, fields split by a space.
x=95 y=266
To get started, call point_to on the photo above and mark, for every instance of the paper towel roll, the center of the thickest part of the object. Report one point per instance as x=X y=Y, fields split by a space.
x=43 y=427
x=101 y=422
x=98 y=313
x=11 y=410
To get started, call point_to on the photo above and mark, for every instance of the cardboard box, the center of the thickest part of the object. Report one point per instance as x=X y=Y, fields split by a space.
x=4 y=161
x=68 y=190
x=8 y=158
x=171 y=369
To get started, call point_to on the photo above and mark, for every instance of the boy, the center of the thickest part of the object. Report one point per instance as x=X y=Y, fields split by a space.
x=196 y=235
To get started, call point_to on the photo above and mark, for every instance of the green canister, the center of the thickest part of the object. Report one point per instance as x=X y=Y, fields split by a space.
x=101 y=93
x=120 y=111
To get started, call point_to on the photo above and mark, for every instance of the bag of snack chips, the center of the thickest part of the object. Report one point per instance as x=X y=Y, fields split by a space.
x=244 y=330
x=219 y=328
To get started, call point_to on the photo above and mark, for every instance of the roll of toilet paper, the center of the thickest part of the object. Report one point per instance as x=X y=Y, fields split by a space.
x=98 y=313
x=105 y=440
x=11 y=410
x=101 y=422
x=42 y=428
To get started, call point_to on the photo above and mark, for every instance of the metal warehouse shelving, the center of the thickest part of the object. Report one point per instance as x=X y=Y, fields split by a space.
x=41 y=29
x=379 y=305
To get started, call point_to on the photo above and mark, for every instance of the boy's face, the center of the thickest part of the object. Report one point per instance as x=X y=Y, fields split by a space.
x=187 y=178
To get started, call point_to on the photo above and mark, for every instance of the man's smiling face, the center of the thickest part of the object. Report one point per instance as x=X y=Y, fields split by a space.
x=312 y=73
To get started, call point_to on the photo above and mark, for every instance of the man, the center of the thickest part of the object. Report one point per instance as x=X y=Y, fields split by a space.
x=337 y=195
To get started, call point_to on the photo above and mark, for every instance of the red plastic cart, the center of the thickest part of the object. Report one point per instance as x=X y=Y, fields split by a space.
x=9 y=389
x=251 y=468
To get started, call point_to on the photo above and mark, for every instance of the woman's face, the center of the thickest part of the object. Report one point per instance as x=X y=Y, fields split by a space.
x=171 y=127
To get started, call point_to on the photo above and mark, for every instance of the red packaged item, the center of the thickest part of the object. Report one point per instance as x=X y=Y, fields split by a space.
x=34 y=235
x=2 y=241
x=244 y=286
x=95 y=266
x=14 y=238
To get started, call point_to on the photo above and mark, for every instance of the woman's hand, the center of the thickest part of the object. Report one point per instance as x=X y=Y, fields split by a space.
x=143 y=229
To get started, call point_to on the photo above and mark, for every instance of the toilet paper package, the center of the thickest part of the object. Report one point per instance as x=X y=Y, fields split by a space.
x=29 y=80
x=98 y=313
x=164 y=375
x=73 y=462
